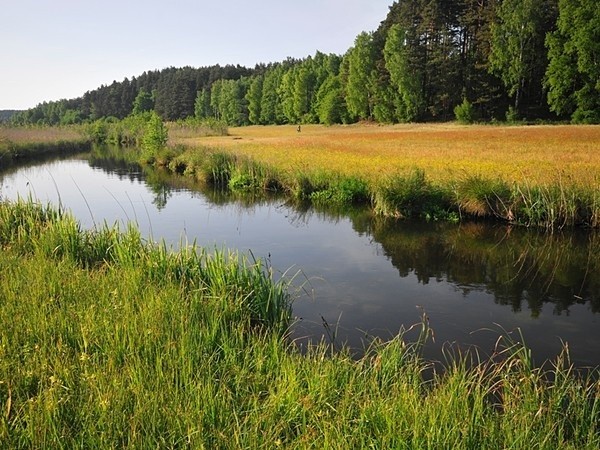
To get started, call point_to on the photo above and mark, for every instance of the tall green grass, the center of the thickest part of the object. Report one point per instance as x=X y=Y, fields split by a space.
x=110 y=342
x=413 y=196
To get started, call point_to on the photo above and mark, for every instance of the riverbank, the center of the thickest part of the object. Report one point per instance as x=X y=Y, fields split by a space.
x=110 y=341
x=544 y=176
x=21 y=143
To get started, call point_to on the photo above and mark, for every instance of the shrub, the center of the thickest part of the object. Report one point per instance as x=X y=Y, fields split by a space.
x=464 y=112
x=155 y=138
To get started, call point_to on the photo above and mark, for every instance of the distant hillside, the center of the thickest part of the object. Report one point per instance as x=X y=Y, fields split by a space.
x=6 y=114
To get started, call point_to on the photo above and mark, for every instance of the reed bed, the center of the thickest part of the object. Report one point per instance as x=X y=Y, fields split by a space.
x=107 y=341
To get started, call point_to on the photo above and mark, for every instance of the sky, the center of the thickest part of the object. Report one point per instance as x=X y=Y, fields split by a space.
x=55 y=49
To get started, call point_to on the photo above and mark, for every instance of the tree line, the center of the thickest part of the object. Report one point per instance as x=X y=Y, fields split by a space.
x=429 y=60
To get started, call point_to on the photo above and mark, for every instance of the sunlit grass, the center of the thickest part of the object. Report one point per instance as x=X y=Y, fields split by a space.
x=537 y=154
x=110 y=342
x=34 y=135
x=24 y=142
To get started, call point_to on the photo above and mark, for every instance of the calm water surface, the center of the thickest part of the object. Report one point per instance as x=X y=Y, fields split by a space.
x=360 y=276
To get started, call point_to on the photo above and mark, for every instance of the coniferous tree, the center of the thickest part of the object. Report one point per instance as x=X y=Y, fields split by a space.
x=481 y=88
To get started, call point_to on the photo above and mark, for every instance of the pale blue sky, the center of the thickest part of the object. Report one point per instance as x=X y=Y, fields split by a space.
x=53 y=49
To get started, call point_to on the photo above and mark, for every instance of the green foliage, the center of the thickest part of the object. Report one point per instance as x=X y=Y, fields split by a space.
x=155 y=138
x=271 y=109
x=405 y=79
x=228 y=101
x=423 y=60
x=98 y=131
x=483 y=197
x=331 y=106
x=342 y=192
x=512 y=115
x=254 y=98
x=573 y=73
x=143 y=102
x=286 y=91
x=464 y=112
x=303 y=93
x=359 y=87
x=517 y=47
x=202 y=109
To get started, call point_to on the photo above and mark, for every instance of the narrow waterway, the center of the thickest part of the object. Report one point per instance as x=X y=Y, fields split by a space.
x=357 y=276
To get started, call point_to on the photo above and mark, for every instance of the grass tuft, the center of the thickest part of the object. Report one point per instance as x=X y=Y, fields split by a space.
x=412 y=196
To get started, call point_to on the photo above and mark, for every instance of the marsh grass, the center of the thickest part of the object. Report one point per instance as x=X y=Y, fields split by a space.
x=109 y=342
x=481 y=197
x=407 y=194
x=18 y=143
x=412 y=196
x=544 y=176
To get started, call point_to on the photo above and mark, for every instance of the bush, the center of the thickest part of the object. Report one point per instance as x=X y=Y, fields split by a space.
x=464 y=112
x=155 y=138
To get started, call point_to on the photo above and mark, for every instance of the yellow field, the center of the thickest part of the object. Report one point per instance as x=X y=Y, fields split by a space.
x=538 y=154
x=36 y=135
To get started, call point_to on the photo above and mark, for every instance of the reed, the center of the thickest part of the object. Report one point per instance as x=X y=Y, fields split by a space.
x=135 y=346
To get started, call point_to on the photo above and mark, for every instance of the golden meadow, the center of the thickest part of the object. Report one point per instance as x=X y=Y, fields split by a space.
x=534 y=154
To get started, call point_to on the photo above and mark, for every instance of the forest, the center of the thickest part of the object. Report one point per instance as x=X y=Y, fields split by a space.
x=429 y=60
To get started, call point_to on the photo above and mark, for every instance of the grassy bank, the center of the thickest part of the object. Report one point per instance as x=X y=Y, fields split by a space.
x=536 y=176
x=34 y=142
x=107 y=341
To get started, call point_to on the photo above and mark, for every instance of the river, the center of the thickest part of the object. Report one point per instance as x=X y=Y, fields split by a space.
x=356 y=276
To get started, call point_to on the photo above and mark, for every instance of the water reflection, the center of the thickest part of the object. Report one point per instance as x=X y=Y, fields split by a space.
x=517 y=266
x=364 y=276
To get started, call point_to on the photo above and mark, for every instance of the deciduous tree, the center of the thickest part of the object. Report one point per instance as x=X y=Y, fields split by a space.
x=573 y=75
